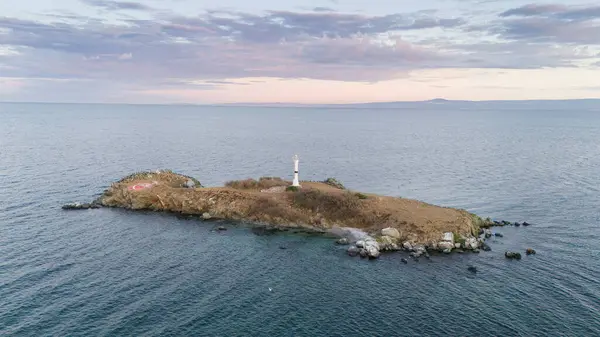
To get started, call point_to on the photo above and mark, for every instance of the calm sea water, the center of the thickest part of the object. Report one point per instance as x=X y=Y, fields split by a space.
x=117 y=273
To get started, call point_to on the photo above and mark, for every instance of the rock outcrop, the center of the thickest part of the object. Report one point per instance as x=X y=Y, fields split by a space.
x=80 y=206
x=512 y=255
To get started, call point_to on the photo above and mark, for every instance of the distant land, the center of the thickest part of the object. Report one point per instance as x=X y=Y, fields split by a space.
x=591 y=103
x=438 y=103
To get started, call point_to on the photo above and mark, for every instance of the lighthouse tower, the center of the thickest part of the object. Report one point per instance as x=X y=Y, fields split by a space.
x=296 y=182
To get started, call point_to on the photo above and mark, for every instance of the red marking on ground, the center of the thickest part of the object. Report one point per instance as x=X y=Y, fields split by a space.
x=138 y=187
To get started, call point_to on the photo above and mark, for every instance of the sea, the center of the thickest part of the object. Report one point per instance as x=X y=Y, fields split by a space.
x=110 y=272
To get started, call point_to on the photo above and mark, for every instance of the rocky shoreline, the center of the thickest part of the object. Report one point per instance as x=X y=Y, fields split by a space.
x=370 y=224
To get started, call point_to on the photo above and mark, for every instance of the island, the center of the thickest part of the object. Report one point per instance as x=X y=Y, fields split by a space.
x=369 y=223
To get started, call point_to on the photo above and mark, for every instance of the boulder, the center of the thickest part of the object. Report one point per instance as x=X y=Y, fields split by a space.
x=342 y=241
x=476 y=251
x=403 y=260
x=512 y=255
x=506 y=223
x=363 y=252
x=360 y=243
x=498 y=235
x=530 y=251
x=353 y=251
x=471 y=243
x=447 y=251
x=371 y=242
x=526 y=224
x=448 y=236
x=387 y=243
x=488 y=233
x=206 y=216
x=457 y=245
x=189 y=184
x=517 y=224
x=445 y=245
x=486 y=247
x=391 y=232
x=372 y=252
x=407 y=245
x=221 y=228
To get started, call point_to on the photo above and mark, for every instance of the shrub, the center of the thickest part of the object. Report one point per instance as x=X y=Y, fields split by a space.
x=458 y=238
x=335 y=183
x=337 y=206
x=291 y=189
x=261 y=183
x=361 y=196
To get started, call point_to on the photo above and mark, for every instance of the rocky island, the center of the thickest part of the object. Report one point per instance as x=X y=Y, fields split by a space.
x=369 y=223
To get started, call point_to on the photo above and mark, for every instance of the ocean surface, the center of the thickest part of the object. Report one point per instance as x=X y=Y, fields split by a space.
x=111 y=272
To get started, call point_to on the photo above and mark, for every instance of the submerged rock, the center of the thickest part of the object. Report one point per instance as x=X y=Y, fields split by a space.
x=221 y=228
x=472 y=269
x=512 y=255
x=403 y=260
x=530 y=251
x=78 y=206
x=526 y=224
x=517 y=224
x=498 y=235
x=486 y=248
x=342 y=241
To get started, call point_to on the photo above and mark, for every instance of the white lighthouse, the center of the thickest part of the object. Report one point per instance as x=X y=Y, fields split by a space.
x=296 y=182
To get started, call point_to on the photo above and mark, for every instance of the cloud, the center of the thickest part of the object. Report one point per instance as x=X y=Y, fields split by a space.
x=548 y=24
x=212 y=50
x=323 y=9
x=578 y=13
x=113 y=5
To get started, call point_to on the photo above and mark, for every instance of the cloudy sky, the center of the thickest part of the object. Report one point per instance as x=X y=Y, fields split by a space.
x=309 y=51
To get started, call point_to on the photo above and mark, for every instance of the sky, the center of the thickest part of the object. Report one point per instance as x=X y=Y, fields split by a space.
x=309 y=51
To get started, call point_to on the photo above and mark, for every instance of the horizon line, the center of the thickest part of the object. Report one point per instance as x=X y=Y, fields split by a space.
x=250 y=104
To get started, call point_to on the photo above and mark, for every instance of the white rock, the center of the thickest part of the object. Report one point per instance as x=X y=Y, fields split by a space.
x=445 y=245
x=393 y=232
x=206 y=216
x=419 y=249
x=370 y=242
x=448 y=236
x=372 y=251
x=407 y=245
x=457 y=245
x=471 y=243
x=360 y=243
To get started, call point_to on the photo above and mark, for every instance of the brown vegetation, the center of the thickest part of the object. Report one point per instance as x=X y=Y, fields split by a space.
x=261 y=183
x=315 y=205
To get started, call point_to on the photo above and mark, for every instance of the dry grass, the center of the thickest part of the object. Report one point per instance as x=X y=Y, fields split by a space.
x=253 y=184
x=314 y=205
